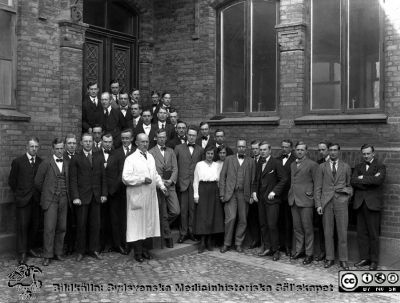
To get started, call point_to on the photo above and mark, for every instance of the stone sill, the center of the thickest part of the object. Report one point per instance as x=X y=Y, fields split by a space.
x=13 y=115
x=246 y=121
x=341 y=119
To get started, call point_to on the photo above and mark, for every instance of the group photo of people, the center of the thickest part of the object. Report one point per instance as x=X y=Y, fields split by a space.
x=137 y=171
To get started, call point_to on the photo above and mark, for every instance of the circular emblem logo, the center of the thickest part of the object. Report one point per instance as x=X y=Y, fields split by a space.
x=367 y=278
x=392 y=278
x=349 y=281
x=380 y=278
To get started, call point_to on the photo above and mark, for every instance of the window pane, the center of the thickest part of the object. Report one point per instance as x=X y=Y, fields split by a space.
x=232 y=58
x=120 y=18
x=94 y=12
x=326 y=71
x=5 y=82
x=5 y=35
x=364 y=54
x=264 y=56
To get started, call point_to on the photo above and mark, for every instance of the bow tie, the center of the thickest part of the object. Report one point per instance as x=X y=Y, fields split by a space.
x=124 y=108
x=163 y=148
x=241 y=156
x=285 y=156
x=146 y=126
x=106 y=151
x=59 y=160
x=190 y=145
x=182 y=138
x=262 y=160
x=367 y=163
x=204 y=138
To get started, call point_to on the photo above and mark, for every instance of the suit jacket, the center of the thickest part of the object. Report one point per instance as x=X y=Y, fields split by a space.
x=95 y=148
x=46 y=180
x=211 y=141
x=152 y=134
x=227 y=178
x=128 y=117
x=174 y=141
x=272 y=178
x=187 y=164
x=21 y=180
x=369 y=188
x=91 y=114
x=287 y=169
x=168 y=163
x=169 y=128
x=114 y=123
x=87 y=180
x=155 y=112
x=302 y=183
x=327 y=187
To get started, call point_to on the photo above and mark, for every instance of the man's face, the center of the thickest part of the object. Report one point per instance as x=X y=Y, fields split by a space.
x=265 y=151
x=97 y=132
x=126 y=139
x=155 y=98
x=334 y=152
x=286 y=148
x=135 y=96
x=135 y=110
x=58 y=150
x=167 y=100
x=107 y=143
x=142 y=142
x=241 y=147
x=87 y=143
x=219 y=137
x=146 y=116
x=255 y=150
x=105 y=100
x=161 y=138
x=115 y=88
x=70 y=145
x=173 y=117
x=323 y=150
x=162 y=115
x=123 y=100
x=93 y=90
x=301 y=151
x=32 y=148
x=368 y=154
x=205 y=130
x=222 y=154
x=191 y=136
x=181 y=129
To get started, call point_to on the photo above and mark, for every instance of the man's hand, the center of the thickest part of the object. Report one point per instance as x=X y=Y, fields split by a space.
x=196 y=200
x=251 y=201
x=319 y=210
x=77 y=202
x=167 y=182
x=254 y=196
x=360 y=177
x=147 y=180
x=222 y=198
x=164 y=190
x=103 y=199
x=271 y=196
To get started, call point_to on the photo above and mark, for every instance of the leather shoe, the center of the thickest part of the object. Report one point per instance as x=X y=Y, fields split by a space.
x=373 y=266
x=344 y=265
x=202 y=248
x=182 y=239
x=321 y=257
x=147 y=255
x=79 y=258
x=58 y=258
x=96 y=255
x=192 y=237
x=121 y=250
x=34 y=254
x=297 y=255
x=328 y=263
x=22 y=259
x=288 y=252
x=224 y=249
x=254 y=244
x=139 y=259
x=362 y=263
x=276 y=256
x=239 y=248
x=169 y=242
x=46 y=262
x=307 y=260
x=267 y=252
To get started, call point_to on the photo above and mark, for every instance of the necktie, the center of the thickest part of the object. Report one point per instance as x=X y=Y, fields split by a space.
x=285 y=156
x=334 y=169
x=162 y=126
x=204 y=138
x=241 y=156
x=89 y=156
x=190 y=145
x=32 y=161
x=127 y=150
x=163 y=148
x=144 y=155
x=106 y=151
x=59 y=160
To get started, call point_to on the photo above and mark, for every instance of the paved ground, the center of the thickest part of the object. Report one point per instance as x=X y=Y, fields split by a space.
x=190 y=270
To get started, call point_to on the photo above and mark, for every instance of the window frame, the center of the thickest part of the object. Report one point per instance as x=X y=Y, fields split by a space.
x=345 y=66
x=248 y=25
x=11 y=9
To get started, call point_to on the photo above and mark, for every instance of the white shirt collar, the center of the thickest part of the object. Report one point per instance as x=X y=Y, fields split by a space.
x=87 y=152
x=146 y=126
x=55 y=158
x=29 y=156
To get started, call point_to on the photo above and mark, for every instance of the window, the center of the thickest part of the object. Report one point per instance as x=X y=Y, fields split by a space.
x=247 y=64
x=7 y=53
x=346 y=55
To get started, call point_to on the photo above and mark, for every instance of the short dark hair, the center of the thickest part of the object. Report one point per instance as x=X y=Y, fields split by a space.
x=255 y=142
x=165 y=93
x=172 y=110
x=133 y=89
x=208 y=148
x=70 y=136
x=127 y=130
x=114 y=81
x=367 y=145
x=107 y=135
x=87 y=135
x=154 y=92
x=56 y=141
x=161 y=130
x=138 y=104
x=301 y=143
x=334 y=144
x=98 y=125
x=204 y=123
x=288 y=141
x=123 y=92
x=147 y=110
x=219 y=131
x=33 y=138
x=265 y=143
x=221 y=147
x=91 y=83
x=326 y=143
x=192 y=127
x=182 y=122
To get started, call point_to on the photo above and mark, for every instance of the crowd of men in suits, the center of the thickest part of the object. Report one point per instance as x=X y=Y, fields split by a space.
x=277 y=201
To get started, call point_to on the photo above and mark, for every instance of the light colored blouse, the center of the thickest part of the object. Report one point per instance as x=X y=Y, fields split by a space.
x=205 y=172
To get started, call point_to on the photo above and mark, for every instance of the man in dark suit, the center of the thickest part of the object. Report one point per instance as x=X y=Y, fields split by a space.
x=180 y=136
x=219 y=137
x=367 y=180
x=52 y=181
x=136 y=111
x=301 y=200
x=113 y=120
x=267 y=187
x=187 y=156
x=88 y=188
x=21 y=181
x=173 y=117
x=97 y=134
x=162 y=124
x=205 y=139
x=235 y=182
x=166 y=104
x=125 y=108
x=115 y=91
x=155 y=102
x=147 y=128
x=167 y=168
x=285 y=214
x=332 y=195
x=91 y=108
